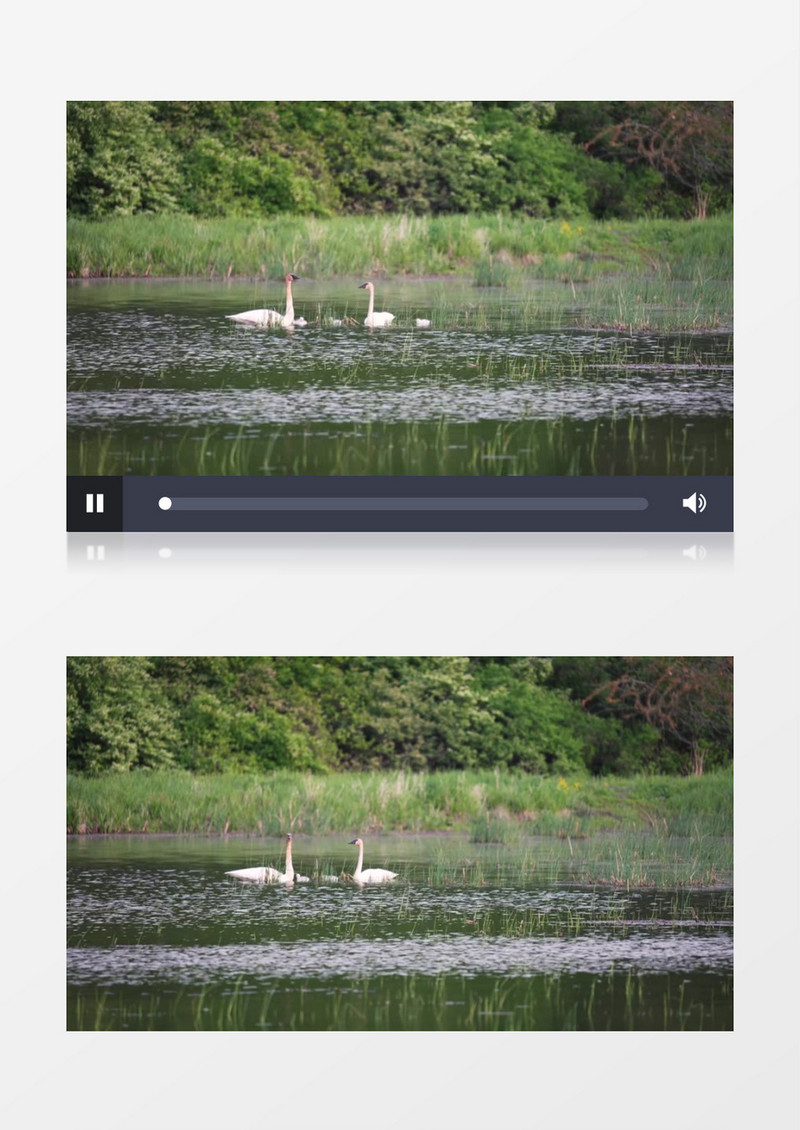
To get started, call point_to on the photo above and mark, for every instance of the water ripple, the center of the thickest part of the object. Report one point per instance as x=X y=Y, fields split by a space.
x=137 y=344
x=466 y=955
x=420 y=401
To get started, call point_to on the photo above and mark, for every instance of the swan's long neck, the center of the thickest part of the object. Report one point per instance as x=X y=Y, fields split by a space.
x=369 y=315
x=357 y=872
x=289 y=872
x=289 y=303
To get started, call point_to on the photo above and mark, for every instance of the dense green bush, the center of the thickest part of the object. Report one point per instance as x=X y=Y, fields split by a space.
x=534 y=159
x=118 y=715
x=119 y=160
x=568 y=716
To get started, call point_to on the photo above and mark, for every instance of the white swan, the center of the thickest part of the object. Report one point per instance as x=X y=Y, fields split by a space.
x=371 y=318
x=372 y=874
x=271 y=317
x=421 y=323
x=269 y=874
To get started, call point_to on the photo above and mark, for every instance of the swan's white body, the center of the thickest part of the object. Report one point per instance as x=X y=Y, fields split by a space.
x=269 y=874
x=256 y=874
x=421 y=323
x=264 y=318
x=372 y=874
x=373 y=319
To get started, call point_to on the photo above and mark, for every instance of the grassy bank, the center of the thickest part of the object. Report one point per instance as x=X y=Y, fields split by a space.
x=495 y=250
x=487 y=804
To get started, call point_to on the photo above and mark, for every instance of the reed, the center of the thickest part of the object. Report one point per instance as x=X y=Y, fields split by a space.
x=493 y=249
x=476 y=801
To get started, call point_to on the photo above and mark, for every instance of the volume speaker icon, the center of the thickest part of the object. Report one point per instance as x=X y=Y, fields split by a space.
x=696 y=503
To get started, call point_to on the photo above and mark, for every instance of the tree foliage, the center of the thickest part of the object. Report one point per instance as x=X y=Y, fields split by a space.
x=689 y=701
x=119 y=160
x=687 y=145
x=540 y=159
x=213 y=713
x=118 y=715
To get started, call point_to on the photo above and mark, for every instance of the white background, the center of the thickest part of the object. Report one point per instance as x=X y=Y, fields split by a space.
x=399 y=594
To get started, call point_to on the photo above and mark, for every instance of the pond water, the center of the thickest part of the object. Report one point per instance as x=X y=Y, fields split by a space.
x=502 y=382
x=469 y=937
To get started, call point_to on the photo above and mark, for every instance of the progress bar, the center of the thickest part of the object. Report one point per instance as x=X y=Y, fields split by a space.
x=384 y=503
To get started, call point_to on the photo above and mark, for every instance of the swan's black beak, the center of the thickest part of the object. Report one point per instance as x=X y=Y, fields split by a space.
x=288 y=835
x=363 y=285
x=354 y=841
x=294 y=278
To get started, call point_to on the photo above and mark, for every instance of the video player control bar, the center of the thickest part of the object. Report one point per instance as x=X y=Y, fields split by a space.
x=413 y=503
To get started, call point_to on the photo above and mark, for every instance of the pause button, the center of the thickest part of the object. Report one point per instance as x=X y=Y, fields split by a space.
x=94 y=503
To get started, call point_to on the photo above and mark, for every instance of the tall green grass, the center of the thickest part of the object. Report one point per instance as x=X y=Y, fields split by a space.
x=491 y=248
x=472 y=800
